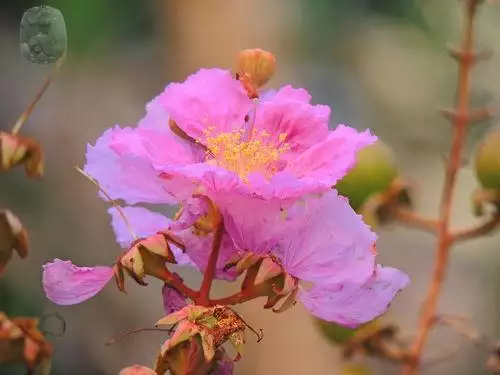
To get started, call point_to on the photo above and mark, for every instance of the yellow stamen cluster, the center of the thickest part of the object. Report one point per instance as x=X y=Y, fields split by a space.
x=231 y=151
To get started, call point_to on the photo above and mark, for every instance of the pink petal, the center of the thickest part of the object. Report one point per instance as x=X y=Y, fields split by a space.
x=327 y=162
x=210 y=97
x=353 y=304
x=198 y=248
x=143 y=222
x=172 y=300
x=67 y=284
x=327 y=242
x=127 y=176
x=257 y=231
x=288 y=112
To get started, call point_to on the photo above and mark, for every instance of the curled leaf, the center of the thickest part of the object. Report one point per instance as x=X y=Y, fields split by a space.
x=13 y=237
x=22 y=342
x=17 y=150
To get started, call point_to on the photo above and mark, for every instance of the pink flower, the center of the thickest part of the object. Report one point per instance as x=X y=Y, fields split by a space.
x=280 y=147
x=66 y=284
x=318 y=241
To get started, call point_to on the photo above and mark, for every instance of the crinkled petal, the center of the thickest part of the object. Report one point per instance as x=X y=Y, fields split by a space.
x=352 y=304
x=327 y=242
x=172 y=300
x=288 y=117
x=328 y=161
x=67 y=284
x=143 y=223
x=126 y=176
x=208 y=98
x=257 y=231
x=156 y=116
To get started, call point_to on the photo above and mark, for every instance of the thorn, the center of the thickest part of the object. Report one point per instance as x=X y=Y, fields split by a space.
x=469 y=57
x=473 y=117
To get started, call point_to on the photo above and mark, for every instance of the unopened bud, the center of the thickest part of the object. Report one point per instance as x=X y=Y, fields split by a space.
x=256 y=64
x=487 y=160
x=373 y=173
x=137 y=370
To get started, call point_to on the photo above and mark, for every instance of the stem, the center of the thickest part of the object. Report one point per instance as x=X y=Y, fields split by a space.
x=29 y=109
x=477 y=231
x=414 y=220
x=460 y=123
x=204 y=293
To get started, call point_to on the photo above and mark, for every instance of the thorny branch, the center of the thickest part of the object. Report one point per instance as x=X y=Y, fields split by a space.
x=460 y=123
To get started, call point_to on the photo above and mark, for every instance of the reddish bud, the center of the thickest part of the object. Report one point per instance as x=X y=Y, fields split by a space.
x=256 y=64
x=17 y=150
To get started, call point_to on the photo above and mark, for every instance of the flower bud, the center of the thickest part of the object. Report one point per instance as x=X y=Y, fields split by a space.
x=137 y=370
x=487 y=160
x=333 y=332
x=373 y=173
x=257 y=64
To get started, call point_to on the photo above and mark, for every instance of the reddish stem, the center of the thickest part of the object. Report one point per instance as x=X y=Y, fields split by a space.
x=203 y=297
x=460 y=123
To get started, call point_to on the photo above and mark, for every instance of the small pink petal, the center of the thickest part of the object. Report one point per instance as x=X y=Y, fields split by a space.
x=67 y=284
x=352 y=304
x=173 y=300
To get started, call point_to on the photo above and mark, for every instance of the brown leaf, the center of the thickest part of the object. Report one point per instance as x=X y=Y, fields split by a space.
x=13 y=236
x=22 y=342
x=17 y=150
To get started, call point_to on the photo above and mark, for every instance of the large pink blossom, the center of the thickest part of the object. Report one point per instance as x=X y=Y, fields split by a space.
x=279 y=147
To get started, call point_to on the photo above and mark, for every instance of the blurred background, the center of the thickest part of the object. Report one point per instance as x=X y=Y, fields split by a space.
x=379 y=64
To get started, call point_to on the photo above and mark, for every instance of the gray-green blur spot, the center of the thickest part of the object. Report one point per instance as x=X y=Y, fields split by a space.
x=43 y=35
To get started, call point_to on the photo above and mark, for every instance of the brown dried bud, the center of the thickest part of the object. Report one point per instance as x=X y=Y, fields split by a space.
x=257 y=64
x=137 y=370
x=17 y=150
x=22 y=342
x=13 y=236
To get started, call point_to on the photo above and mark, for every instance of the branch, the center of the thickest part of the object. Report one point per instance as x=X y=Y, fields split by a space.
x=204 y=293
x=477 y=231
x=460 y=122
x=413 y=220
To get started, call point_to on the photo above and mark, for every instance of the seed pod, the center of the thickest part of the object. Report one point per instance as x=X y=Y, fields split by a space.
x=373 y=173
x=487 y=160
x=43 y=35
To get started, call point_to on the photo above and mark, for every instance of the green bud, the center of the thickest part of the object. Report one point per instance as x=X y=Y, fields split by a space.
x=333 y=332
x=487 y=160
x=43 y=35
x=373 y=173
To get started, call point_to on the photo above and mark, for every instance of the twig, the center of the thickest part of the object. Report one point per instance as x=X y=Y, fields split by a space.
x=478 y=231
x=29 y=109
x=203 y=298
x=414 y=220
x=427 y=318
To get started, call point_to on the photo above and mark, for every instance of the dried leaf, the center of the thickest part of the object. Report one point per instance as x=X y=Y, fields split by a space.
x=13 y=237
x=17 y=150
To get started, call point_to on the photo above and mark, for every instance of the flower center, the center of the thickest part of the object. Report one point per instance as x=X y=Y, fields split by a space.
x=231 y=151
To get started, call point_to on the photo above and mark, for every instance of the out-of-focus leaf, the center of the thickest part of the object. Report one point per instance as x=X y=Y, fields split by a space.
x=355 y=369
x=13 y=237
